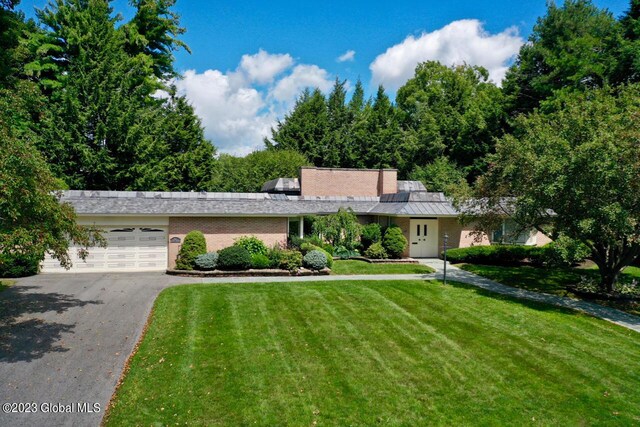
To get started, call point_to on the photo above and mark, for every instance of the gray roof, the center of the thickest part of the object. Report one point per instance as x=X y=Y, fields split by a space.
x=406 y=186
x=250 y=204
x=282 y=185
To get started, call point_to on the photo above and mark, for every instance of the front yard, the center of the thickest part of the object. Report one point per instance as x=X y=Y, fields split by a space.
x=363 y=267
x=364 y=353
x=552 y=280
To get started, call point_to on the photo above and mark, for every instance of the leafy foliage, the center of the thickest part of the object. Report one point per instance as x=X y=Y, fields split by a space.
x=194 y=244
x=248 y=174
x=394 y=242
x=376 y=251
x=339 y=229
x=234 y=258
x=308 y=247
x=492 y=254
x=564 y=251
x=207 y=261
x=582 y=163
x=371 y=233
x=288 y=259
x=260 y=261
x=440 y=175
x=574 y=47
x=252 y=244
x=315 y=260
x=19 y=264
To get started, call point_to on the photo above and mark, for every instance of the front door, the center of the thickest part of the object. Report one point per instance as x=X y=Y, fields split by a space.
x=424 y=238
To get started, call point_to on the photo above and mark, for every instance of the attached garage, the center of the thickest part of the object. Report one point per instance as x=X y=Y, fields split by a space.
x=133 y=244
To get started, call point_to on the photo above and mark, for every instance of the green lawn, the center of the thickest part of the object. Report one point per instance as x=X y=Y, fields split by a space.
x=551 y=280
x=362 y=267
x=5 y=283
x=365 y=353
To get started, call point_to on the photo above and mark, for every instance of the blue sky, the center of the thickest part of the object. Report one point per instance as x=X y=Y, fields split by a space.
x=251 y=58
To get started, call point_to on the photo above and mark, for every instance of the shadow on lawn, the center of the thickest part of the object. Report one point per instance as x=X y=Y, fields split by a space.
x=24 y=338
x=548 y=302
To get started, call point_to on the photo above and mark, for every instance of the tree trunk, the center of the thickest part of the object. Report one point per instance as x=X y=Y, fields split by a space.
x=609 y=276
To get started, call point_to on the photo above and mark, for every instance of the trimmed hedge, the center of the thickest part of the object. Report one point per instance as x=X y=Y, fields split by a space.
x=234 y=258
x=376 y=251
x=315 y=260
x=207 y=261
x=194 y=244
x=394 y=242
x=260 y=261
x=496 y=254
x=19 y=265
x=308 y=247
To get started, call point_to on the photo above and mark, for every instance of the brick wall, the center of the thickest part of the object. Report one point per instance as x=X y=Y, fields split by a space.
x=459 y=236
x=221 y=232
x=404 y=224
x=347 y=182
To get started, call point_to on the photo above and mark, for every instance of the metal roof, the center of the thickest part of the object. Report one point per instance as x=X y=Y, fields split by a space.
x=406 y=186
x=251 y=204
x=282 y=185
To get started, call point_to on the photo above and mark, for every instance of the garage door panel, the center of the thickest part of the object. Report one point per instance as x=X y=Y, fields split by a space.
x=128 y=249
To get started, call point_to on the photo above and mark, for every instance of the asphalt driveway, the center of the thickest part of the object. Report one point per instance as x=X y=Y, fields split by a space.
x=64 y=339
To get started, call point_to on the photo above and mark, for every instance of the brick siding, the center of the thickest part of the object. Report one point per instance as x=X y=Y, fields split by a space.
x=221 y=232
x=347 y=182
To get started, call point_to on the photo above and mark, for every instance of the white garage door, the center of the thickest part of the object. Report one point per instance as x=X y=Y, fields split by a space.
x=129 y=248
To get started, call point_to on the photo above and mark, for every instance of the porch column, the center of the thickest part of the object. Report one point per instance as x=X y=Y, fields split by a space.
x=301 y=228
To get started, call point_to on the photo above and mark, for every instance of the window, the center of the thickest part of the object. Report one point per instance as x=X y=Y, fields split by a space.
x=122 y=230
x=150 y=230
x=425 y=230
x=418 y=230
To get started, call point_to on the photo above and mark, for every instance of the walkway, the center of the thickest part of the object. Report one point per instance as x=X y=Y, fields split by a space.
x=611 y=314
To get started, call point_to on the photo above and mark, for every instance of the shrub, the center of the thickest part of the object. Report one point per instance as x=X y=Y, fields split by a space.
x=19 y=265
x=376 y=251
x=497 y=254
x=290 y=260
x=260 y=261
x=565 y=251
x=252 y=244
x=344 y=253
x=234 y=258
x=328 y=248
x=315 y=260
x=339 y=229
x=371 y=233
x=207 y=261
x=394 y=242
x=194 y=244
x=308 y=247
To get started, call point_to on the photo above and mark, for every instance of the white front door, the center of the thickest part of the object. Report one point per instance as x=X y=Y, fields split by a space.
x=424 y=238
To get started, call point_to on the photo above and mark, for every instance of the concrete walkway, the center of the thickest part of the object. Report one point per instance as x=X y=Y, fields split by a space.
x=611 y=314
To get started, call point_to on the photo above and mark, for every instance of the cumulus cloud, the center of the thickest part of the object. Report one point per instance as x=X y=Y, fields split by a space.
x=239 y=107
x=349 y=55
x=303 y=76
x=463 y=41
x=263 y=67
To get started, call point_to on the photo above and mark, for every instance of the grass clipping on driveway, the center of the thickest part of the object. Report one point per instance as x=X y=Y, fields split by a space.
x=362 y=353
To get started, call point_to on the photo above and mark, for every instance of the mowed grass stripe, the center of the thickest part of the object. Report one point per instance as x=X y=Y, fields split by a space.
x=376 y=352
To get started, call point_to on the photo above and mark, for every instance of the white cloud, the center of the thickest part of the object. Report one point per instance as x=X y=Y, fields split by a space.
x=463 y=41
x=303 y=76
x=236 y=110
x=349 y=55
x=263 y=67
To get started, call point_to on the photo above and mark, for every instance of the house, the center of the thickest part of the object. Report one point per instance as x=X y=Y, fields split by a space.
x=144 y=230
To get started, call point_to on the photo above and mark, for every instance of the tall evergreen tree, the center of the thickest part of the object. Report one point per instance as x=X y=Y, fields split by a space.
x=334 y=143
x=154 y=31
x=573 y=47
x=303 y=128
x=629 y=69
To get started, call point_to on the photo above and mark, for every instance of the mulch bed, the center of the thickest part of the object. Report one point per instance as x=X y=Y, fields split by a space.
x=248 y=273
